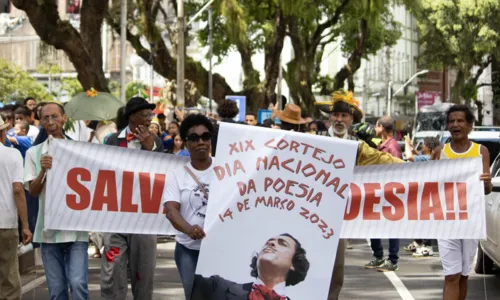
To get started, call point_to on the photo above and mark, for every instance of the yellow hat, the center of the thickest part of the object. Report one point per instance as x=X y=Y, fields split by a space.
x=156 y=121
x=338 y=103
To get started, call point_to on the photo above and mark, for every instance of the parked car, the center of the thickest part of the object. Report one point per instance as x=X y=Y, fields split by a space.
x=488 y=254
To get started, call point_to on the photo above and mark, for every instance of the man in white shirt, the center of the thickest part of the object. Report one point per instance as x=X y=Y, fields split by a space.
x=12 y=204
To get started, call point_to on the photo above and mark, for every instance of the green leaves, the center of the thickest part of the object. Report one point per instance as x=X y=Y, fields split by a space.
x=16 y=84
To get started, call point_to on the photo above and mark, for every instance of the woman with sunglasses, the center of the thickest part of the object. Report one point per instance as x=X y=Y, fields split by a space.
x=186 y=196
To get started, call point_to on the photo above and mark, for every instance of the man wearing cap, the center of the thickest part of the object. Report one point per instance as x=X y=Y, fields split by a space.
x=344 y=110
x=12 y=204
x=138 y=250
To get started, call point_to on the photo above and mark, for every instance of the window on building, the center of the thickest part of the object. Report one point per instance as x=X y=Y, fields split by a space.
x=4 y=6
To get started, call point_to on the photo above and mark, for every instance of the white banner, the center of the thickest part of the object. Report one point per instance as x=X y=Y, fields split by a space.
x=105 y=188
x=275 y=210
x=433 y=200
x=110 y=189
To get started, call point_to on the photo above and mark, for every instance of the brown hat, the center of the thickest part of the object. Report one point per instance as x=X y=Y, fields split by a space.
x=291 y=114
x=3 y=125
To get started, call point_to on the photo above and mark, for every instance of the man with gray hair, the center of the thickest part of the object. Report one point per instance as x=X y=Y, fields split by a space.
x=344 y=110
x=12 y=204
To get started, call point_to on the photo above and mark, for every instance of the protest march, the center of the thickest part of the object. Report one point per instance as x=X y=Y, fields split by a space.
x=265 y=216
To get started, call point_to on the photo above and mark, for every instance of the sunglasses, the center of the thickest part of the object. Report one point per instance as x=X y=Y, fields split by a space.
x=193 y=137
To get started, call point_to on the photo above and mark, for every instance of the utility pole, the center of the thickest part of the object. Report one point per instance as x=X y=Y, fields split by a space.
x=180 y=53
x=123 y=40
x=364 y=98
x=388 y=79
x=280 y=79
x=210 y=54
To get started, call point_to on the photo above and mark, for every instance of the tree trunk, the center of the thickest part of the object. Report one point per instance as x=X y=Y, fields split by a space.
x=44 y=17
x=456 y=91
x=354 y=61
x=272 y=51
x=495 y=85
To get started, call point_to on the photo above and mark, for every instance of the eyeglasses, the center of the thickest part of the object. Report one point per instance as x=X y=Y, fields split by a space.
x=193 y=137
x=54 y=118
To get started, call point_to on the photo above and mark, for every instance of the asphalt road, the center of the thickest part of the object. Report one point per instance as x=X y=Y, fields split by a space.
x=417 y=279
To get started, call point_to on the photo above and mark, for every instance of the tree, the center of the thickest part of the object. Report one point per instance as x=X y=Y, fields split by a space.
x=463 y=35
x=364 y=30
x=84 y=48
x=16 y=84
x=253 y=26
x=147 y=20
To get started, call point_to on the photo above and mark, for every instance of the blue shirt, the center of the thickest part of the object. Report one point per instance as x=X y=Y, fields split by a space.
x=183 y=152
x=23 y=144
x=421 y=158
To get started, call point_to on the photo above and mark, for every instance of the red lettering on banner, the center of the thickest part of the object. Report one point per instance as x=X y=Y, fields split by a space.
x=80 y=189
x=370 y=201
x=398 y=201
x=462 y=200
x=221 y=171
x=413 y=201
x=390 y=191
x=354 y=204
x=449 y=194
x=105 y=191
x=127 y=193
x=150 y=202
x=431 y=202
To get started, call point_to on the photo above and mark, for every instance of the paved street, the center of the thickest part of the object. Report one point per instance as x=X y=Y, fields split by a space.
x=416 y=279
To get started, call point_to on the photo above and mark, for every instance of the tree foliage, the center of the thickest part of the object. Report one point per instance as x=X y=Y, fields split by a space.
x=16 y=84
x=461 y=34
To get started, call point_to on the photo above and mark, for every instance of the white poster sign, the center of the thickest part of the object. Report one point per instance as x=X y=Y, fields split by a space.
x=275 y=213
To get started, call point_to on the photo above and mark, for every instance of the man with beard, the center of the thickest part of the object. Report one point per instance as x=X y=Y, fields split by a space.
x=280 y=263
x=344 y=110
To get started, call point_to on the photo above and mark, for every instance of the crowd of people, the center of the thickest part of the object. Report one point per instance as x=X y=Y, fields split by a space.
x=25 y=132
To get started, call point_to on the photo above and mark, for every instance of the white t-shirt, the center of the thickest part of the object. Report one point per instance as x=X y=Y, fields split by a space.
x=181 y=188
x=33 y=133
x=12 y=170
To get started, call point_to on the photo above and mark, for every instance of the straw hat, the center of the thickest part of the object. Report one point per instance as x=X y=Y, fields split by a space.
x=156 y=121
x=291 y=114
x=342 y=101
x=3 y=125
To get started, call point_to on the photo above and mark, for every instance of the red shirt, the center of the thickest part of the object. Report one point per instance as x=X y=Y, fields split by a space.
x=392 y=147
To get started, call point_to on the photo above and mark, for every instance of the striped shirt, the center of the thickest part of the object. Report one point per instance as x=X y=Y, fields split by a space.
x=32 y=169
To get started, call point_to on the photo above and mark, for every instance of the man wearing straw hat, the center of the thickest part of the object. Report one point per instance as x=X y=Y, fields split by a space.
x=344 y=110
x=290 y=118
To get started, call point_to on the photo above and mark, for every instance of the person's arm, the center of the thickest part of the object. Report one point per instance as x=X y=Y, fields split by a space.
x=22 y=211
x=436 y=154
x=179 y=223
x=19 y=195
x=486 y=176
x=172 y=204
x=368 y=156
x=36 y=185
x=409 y=150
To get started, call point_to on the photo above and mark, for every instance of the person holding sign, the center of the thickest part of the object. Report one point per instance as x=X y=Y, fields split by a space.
x=344 y=110
x=186 y=196
x=64 y=253
x=280 y=263
x=136 y=250
x=457 y=256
